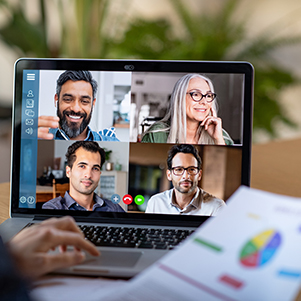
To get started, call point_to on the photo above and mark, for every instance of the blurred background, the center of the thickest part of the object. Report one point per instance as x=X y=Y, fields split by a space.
x=266 y=33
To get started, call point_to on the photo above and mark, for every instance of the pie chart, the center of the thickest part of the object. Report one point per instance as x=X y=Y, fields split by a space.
x=260 y=249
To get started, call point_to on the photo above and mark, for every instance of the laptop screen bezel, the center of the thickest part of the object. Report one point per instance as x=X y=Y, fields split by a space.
x=135 y=66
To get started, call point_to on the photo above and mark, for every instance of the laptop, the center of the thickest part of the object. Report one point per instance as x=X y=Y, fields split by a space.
x=131 y=96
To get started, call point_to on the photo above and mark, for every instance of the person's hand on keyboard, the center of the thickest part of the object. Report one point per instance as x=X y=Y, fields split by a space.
x=30 y=247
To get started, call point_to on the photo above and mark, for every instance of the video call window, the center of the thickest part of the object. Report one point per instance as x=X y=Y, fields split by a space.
x=51 y=168
x=112 y=104
x=130 y=105
x=221 y=170
x=152 y=93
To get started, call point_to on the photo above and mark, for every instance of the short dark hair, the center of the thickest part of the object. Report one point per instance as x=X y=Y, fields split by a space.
x=89 y=146
x=186 y=149
x=76 y=76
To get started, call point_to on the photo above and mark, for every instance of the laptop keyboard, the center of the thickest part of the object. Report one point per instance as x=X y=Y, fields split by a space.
x=125 y=237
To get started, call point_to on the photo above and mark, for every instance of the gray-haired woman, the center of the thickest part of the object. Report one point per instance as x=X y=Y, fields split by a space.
x=192 y=116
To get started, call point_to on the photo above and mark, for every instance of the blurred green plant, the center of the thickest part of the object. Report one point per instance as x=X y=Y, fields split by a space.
x=88 y=30
x=19 y=33
x=79 y=29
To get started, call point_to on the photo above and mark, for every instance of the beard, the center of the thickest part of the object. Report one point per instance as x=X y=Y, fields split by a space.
x=184 y=190
x=73 y=129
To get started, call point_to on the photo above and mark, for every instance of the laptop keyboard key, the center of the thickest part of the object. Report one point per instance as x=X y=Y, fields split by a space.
x=125 y=237
x=146 y=245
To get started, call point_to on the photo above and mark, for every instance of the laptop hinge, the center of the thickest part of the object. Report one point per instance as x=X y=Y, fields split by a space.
x=43 y=217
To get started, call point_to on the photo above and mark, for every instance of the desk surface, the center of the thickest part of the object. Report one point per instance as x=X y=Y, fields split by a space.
x=276 y=167
x=4 y=201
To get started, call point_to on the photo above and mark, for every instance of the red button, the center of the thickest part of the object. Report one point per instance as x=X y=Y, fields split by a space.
x=127 y=199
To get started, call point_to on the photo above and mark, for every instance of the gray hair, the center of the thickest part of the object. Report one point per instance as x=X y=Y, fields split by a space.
x=76 y=76
x=176 y=115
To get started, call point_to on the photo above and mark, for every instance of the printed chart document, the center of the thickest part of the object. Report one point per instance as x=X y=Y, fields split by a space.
x=251 y=251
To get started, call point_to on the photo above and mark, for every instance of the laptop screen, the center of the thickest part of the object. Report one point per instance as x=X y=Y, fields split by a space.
x=171 y=139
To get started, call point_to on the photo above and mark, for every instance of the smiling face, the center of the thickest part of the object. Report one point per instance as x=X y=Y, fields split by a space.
x=197 y=111
x=85 y=173
x=74 y=108
x=186 y=183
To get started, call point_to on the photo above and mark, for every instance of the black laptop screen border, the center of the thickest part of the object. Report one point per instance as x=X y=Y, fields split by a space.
x=133 y=66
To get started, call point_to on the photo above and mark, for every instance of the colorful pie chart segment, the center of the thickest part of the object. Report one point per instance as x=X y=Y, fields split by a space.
x=260 y=249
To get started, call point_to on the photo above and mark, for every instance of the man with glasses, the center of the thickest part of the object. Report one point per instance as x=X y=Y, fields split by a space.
x=184 y=171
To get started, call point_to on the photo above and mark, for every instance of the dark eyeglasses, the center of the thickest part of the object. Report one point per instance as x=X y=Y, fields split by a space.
x=198 y=96
x=179 y=170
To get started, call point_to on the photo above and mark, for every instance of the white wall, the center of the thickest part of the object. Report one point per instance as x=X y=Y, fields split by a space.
x=105 y=100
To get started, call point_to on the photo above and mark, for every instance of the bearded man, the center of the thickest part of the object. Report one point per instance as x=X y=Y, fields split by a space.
x=184 y=170
x=74 y=99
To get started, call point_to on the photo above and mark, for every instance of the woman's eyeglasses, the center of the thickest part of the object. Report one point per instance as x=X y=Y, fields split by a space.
x=198 y=96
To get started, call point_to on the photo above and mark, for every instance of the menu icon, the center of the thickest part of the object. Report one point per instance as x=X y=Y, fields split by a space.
x=31 y=76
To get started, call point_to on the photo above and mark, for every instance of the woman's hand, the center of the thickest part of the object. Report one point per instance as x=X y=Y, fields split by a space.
x=30 y=247
x=213 y=125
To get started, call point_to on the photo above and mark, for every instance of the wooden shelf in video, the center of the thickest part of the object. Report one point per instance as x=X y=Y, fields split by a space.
x=122 y=125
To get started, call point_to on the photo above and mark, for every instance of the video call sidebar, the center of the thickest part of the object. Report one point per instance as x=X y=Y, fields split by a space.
x=29 y=128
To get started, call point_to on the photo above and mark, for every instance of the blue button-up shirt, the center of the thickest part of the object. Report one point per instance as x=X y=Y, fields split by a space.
x=68 y=203
x=104 y=135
